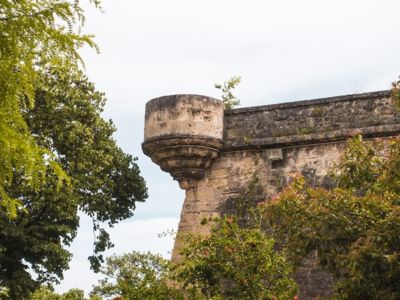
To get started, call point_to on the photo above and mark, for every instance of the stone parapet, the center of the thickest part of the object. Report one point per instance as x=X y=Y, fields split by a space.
x=311 y=121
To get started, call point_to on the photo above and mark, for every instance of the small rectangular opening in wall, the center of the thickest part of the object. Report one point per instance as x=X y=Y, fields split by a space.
x=275 y=154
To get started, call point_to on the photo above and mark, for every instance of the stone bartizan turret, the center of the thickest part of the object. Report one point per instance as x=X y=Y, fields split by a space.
x=183 y=135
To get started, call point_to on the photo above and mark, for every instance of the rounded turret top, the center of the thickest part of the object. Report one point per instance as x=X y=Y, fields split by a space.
x=180 y=115
x=183 y=134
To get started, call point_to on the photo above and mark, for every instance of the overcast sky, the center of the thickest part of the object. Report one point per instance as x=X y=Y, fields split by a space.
x=285 y=50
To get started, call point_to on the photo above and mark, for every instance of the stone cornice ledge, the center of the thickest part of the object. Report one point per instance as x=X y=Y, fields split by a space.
x=313 y=138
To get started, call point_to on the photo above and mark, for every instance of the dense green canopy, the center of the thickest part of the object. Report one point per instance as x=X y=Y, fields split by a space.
x=33 y=34
x=104 y=183
x=57 y=154
x=136 y=276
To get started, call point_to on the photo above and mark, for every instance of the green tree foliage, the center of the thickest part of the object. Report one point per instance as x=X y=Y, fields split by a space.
x=237 y=260
x=355 y=227
x=230 y=101
x=235 y=263
x=232 y=263
x=33 y=34
x=136 y=276
x=46 y=293
x=57 y=154
x=104 y=183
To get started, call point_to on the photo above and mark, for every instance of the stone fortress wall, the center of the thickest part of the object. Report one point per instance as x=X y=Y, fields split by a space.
x=214 y=154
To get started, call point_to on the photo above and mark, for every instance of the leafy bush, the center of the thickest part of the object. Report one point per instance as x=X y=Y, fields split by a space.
x=235 y=262
x=47 y=293
x=355 y=228
x=136 y=276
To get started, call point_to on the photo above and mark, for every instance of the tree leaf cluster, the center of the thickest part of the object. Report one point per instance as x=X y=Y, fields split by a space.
x=47 y=293
x=355 y=227
x=136 y=276
x=235 y=262
x=104 y=183
x=33 y=34
x=57 y=155
x=228 y=98
x=239 y=258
